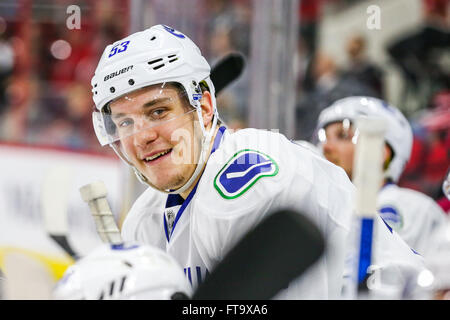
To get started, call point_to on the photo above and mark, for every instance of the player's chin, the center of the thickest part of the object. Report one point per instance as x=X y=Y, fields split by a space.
x=167 y=181
x=333 y=160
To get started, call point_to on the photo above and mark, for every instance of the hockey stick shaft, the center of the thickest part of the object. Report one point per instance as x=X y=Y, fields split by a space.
x=367 y=177
x=95 y=195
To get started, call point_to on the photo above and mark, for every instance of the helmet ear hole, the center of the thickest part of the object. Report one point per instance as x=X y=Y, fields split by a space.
x=109 y=124
x=390 y=157
x=392 y=152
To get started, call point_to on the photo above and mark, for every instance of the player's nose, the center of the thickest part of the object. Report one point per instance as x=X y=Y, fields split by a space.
x=144 y=134
x=328 y=147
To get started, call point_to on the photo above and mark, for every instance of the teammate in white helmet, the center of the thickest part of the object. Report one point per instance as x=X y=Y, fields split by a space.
x=127 y=271
x=156 y=107
x=446 y=185
x=414 y=215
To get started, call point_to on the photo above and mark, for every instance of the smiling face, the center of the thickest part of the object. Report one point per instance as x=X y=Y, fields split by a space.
x=157 y=134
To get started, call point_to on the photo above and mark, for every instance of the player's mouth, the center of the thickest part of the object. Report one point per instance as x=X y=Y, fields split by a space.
x=158 y=156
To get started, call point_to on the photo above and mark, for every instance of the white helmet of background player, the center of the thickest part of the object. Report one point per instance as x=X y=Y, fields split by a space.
x=446 y=185
x=124 y=272
x=156 y=56
x=398 y=136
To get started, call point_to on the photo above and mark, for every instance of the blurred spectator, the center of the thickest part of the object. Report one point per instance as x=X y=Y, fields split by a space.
x=220 y=41
x=328 y=86
x=109 y=28
x=49 y=101
x=309 y=14
x=6 y=64
x=47 y=96
x=230 y=31
x=20 y=94
x=74 y=65
x=420 y=54
x=430 y=157
x=64 y=119
x=360 y=68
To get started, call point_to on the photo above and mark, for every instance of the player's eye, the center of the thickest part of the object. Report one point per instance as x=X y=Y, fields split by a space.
x=345 y=134
x=158 y=113
x=125 y=123
x=342 y=135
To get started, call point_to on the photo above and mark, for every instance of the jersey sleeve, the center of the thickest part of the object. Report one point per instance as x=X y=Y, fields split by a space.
x=414 y=216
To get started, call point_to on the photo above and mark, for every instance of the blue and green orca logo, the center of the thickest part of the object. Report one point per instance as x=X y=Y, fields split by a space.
x=242 y=171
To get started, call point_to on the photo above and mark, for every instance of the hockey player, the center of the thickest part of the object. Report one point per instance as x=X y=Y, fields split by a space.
x=414 y=215
x=155 y=106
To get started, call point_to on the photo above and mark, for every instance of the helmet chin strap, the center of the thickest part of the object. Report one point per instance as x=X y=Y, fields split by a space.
x=207 y=137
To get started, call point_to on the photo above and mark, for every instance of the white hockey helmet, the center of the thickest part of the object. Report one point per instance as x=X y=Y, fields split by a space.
x=124 y=272
x=446 y=185
x=398 y=136
x=156 y=56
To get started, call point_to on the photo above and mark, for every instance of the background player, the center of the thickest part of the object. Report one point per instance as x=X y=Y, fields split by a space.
x=414 y=215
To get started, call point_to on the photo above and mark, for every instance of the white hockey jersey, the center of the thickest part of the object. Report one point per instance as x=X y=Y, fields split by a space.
x=234 y=194
x=416 y=217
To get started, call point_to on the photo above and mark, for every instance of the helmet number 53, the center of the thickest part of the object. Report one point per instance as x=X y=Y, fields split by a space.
x=117 y=49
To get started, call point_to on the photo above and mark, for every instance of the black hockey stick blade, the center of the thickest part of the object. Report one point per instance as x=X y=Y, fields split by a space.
x=54 y=206
x=62 y=241
x=227 y=70
x=266 y=260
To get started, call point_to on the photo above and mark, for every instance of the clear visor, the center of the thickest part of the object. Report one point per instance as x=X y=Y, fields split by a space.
x=140 y=110
x=338 y=131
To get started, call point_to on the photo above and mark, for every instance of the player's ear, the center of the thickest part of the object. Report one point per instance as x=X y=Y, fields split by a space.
x=207 y=107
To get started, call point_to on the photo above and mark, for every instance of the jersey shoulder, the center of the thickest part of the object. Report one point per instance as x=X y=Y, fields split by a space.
x=246 y=166
x=255 y=168
x=412 y=199
x=254 y=173
x=402 y=206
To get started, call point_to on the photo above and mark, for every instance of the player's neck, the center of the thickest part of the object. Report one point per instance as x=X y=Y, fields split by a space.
x=185 y=194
